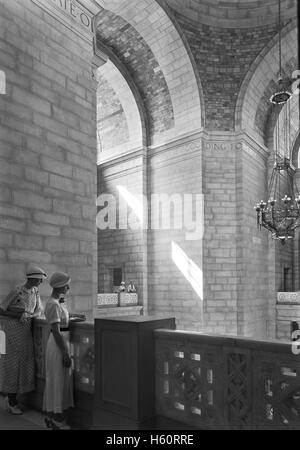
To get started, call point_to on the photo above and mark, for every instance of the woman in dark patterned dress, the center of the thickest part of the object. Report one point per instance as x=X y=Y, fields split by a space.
x=17 y=310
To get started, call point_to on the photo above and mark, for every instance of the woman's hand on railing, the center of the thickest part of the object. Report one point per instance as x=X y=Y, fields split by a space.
x=25 y=317
x=77 y=317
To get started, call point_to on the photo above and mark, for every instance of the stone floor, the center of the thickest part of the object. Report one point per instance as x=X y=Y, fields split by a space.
x=30 y=420
x=34 y=420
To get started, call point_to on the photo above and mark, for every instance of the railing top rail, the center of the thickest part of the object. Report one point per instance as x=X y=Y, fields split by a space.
x=225 y=340
x=86 y=324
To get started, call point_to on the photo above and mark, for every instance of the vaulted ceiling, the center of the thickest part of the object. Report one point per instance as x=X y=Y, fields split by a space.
x=237 y=14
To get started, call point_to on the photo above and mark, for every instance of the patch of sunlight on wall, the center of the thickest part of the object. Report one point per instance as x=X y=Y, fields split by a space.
x=188 y=268
x=135 y=202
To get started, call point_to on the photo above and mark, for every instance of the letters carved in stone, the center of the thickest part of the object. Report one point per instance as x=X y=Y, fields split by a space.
x=69 y=12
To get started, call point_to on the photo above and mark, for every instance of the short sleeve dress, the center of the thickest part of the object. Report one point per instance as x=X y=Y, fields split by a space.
x=17 y=375
x=58 y=394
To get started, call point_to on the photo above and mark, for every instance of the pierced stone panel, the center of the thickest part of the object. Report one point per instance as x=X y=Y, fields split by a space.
x=188 y=387
x=277 y=392
x=232 y=384
x=238 y=389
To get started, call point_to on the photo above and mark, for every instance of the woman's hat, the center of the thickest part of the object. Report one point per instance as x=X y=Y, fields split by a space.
x=35 y=272
x=59 y=279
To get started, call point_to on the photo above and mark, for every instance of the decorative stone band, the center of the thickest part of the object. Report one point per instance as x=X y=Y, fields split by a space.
x=108 y=300
x=118 y=299
x=72 y=14
x=288 y=297
x=127 y=299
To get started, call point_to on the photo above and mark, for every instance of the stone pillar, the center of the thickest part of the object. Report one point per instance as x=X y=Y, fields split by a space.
x=221 y=234
x=48 y=146
x=176 y=226
x=237 y=294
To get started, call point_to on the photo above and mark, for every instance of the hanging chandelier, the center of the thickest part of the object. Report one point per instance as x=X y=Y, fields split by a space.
x=280 y=216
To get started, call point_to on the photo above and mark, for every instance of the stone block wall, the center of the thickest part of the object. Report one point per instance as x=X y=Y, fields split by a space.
x=175 y=263
x=220 y=238
x=165 y=266
x=237 y=294
x=224 y=281
x=47 y=152
x=256 y=298
x=126 y=245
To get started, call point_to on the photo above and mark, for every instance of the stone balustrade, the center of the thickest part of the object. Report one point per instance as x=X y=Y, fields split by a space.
x=223 y=382
x=82 y=349
x=83 y=355
x=287 y=311
x=204 y=381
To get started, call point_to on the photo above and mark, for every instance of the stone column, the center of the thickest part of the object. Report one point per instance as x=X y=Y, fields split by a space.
x=48 y=146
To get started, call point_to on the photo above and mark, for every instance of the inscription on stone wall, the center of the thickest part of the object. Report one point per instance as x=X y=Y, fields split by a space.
x=68 y=12
x=221 y=146
x=75 y=11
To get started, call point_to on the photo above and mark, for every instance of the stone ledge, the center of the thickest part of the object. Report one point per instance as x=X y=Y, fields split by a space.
x=119 y=311
x=291 y=305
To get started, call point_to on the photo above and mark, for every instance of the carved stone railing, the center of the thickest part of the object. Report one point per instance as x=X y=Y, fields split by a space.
x=222 y=382
x=82 y=349
x=83 y=355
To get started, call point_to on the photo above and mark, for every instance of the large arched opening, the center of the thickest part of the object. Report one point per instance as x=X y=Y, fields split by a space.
x=150 y=114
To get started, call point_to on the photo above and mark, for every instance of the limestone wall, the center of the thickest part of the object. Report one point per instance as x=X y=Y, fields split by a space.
x=175 y=255
x=47 y=151
x=121 y=242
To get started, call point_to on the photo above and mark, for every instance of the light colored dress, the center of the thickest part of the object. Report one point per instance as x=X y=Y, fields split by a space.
x=17 y=374
x=58 y=394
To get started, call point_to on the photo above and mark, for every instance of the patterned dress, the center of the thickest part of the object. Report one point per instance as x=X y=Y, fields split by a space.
x=58 y=395
x=17 y=375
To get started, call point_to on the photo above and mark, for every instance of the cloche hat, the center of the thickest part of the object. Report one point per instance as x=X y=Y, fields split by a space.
x=35 y=272
x=59 y=279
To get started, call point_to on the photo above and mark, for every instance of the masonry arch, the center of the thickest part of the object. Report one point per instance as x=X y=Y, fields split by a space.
x=121 y=121
x=149 y=45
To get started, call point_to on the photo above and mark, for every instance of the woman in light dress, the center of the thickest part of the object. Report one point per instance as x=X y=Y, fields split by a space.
x=58 y=395
x=18 y=308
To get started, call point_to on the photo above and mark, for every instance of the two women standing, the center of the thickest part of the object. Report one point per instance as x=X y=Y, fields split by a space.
x=17 y=365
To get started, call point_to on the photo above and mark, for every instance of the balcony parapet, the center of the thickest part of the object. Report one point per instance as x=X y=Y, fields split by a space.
x=290 y=298
x=82 y=350
x=227 y=382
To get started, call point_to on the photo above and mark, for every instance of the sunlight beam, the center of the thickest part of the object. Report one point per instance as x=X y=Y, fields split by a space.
x=135 y=204
x=192 y=273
